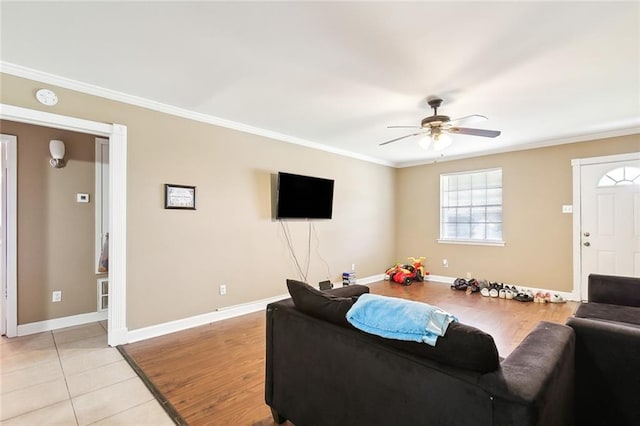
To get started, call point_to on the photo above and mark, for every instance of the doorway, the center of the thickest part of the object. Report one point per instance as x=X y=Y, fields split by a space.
x=607 y=220
x=117 y=135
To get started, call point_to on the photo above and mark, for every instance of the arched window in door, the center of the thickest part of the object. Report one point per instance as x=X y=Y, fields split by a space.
x=620 y=176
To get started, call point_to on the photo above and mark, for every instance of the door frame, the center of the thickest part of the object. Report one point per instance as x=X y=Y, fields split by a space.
x=580 y=289
x=9 y=232
x=117 y=135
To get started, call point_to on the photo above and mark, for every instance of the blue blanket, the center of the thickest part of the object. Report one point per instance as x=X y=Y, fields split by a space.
x=399 y=319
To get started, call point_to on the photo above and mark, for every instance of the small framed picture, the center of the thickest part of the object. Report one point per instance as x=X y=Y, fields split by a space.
x=179 y=197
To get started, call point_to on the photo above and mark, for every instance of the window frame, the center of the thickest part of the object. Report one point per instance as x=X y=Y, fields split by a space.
x=470 y=241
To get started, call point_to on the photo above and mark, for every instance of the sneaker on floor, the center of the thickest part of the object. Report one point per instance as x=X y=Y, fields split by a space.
x=523 y=297
x=502 y=293
x=493 y=292
x=556 y=298
x=485 y=292
x=459 y=284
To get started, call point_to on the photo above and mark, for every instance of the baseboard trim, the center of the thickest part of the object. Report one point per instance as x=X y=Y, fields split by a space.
x=439 y=278
x=202 y=319
x=371 y=279
x=56 y=323
x=218 y=315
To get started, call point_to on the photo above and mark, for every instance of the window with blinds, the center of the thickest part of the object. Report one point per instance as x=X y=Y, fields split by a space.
x=471 y=207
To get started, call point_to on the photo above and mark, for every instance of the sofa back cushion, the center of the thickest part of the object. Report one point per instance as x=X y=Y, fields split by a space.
x=330 y=307
x=462 y=346
x=614 y=290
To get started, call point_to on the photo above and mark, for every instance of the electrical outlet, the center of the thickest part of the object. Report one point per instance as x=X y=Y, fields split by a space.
x=445 y=263
x=56 y=296
x=469 y=275
x=223 y=289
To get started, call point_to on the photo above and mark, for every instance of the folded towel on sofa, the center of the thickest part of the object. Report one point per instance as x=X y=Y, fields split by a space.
x=400 y=319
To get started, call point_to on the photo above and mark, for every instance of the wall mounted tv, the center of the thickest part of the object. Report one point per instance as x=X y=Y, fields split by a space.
x=303 y=197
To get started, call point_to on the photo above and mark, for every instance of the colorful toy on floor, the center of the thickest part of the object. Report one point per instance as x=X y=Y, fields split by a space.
x=407 y=273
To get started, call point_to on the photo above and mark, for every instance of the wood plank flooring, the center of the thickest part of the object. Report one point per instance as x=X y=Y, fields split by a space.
x=214 y=374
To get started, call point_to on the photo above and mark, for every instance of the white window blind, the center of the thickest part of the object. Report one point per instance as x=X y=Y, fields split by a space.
x=471 y=207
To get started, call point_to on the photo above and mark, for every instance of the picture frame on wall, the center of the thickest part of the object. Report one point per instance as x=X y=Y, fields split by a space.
x=179 y=197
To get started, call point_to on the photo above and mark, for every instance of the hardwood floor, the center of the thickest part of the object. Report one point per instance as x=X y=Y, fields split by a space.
x=214 y=374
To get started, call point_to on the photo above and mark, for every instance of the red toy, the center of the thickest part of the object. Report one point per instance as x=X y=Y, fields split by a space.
x=407 y=273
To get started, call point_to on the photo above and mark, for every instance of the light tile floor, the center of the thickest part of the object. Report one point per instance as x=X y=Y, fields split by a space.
x=71 y=377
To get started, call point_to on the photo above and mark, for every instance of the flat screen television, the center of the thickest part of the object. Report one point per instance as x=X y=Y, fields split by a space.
x=303 y=197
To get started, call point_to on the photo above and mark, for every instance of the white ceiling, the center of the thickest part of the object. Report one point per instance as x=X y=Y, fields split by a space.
x=336 y=74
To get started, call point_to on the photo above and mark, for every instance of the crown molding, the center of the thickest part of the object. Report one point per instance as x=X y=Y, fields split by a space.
x=90 y=89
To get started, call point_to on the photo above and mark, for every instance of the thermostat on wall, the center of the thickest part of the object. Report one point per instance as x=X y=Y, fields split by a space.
x=82 y=198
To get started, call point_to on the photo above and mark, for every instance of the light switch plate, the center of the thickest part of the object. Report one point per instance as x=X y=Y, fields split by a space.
x=82 y=198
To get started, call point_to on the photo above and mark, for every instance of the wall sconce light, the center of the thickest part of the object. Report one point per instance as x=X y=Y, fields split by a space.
x=56 y=148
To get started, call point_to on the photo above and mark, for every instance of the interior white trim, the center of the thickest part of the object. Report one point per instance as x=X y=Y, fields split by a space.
x=117 y=135
x=91 y=89
x=580 y=288
x=576 y=240
x=10 y=310
x=98 y=196
x=202 y=319
x=220 y=314
x=367 y=280
x=57 y=323
x=439 y=279
x=473 y=242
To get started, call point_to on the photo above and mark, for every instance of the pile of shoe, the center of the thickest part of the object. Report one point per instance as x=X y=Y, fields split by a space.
x=469 y=287
x=499 y=290
x=502 y=291
x=459 y=284
x=472 y=286
x=541 y=297
x=524 y=296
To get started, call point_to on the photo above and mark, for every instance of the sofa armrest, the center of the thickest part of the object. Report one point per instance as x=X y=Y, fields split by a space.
x=534 y=384
x=614 y=290
x=607 y=365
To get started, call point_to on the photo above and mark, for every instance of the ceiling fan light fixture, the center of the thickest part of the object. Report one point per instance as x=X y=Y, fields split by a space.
x=425 y=142
x=441 y=141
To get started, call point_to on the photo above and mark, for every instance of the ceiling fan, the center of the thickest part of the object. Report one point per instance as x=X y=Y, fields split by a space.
x=437 y=128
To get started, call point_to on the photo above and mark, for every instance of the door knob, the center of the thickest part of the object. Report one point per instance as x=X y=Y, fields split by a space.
x=586 y=234
x=587 y=244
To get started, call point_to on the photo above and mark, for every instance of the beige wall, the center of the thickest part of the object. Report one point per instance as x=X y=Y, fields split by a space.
x=55 y=233
x=537 y=182
x=177 y=259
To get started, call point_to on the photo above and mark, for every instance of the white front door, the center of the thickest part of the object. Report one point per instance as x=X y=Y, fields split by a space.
x=610 y=219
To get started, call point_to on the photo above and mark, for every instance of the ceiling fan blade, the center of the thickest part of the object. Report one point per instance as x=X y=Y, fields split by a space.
x=404 y=127
x=475 y=132
x=469 y=119
x=401 y=137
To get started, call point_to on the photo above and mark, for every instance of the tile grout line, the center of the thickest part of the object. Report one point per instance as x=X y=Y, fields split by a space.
x=50 y=405
x=120 y=412
x=64 y=375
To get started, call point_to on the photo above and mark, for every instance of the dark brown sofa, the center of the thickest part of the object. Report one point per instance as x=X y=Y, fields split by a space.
x=324 y=373
x=607 y=330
